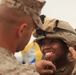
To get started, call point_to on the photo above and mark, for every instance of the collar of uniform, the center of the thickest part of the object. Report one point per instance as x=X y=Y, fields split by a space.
x=6 y=52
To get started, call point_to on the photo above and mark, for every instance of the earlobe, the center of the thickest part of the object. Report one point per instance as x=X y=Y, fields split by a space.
x=21 y=29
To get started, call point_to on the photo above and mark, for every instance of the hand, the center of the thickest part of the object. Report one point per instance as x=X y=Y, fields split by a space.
x=73 y=52
x=40 y=67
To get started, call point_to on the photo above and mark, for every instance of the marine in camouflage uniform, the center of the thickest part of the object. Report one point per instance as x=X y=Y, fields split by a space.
x=8 y=63
x=57 y=29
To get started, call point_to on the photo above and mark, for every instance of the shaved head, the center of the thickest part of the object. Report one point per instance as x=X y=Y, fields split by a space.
x=15 y=25
x=10 y=18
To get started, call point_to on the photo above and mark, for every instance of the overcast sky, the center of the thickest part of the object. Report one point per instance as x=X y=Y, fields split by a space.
x=61 y=9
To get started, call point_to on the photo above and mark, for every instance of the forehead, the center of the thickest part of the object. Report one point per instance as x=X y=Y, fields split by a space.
x=51 y=39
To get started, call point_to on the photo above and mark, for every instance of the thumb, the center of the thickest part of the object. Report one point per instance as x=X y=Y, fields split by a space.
x=72 y=51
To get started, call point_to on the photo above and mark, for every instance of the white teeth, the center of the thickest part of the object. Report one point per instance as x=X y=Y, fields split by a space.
x=48 y=54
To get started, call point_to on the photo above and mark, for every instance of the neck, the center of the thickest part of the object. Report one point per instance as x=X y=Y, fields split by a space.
x=12 y=49
x=9 y=44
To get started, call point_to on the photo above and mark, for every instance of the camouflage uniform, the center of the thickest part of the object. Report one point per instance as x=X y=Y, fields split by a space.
x=8 y=64
x=54 y=28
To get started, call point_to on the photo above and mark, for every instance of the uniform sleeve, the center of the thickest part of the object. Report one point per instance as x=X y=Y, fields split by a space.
x=13 y=67
x=27 y=69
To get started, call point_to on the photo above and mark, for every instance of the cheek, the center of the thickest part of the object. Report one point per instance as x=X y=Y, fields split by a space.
x=58 y=48
x=30 y=31
x=28 y=35
x=58 y=52
x=41 y=49
x=55 y=56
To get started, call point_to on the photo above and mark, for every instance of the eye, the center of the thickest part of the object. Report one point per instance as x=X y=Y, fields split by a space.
x=55 y=41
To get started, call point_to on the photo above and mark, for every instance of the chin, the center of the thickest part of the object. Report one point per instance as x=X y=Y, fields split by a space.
x=17 y=50
x=50 y=60
x=20 y=49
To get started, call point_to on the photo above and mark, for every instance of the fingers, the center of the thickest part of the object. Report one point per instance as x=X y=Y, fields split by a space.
x=50 y=64
x=72 y=50
x=47 y=72
x=42 y=67
x=49 y=68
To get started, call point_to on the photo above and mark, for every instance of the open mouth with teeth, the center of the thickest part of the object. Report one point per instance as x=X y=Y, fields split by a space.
x=49 y=54
x=49 y=51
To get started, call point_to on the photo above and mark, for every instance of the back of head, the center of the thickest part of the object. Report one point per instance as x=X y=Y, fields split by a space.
x=54 y=28
x=29 y=7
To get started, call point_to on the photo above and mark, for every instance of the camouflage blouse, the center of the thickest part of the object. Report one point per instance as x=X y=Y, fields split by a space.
x=10 y=66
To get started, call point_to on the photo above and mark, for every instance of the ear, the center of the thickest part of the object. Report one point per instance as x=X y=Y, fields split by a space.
x=21 y=29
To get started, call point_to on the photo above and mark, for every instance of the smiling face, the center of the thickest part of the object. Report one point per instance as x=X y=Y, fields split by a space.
x=53 y=49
